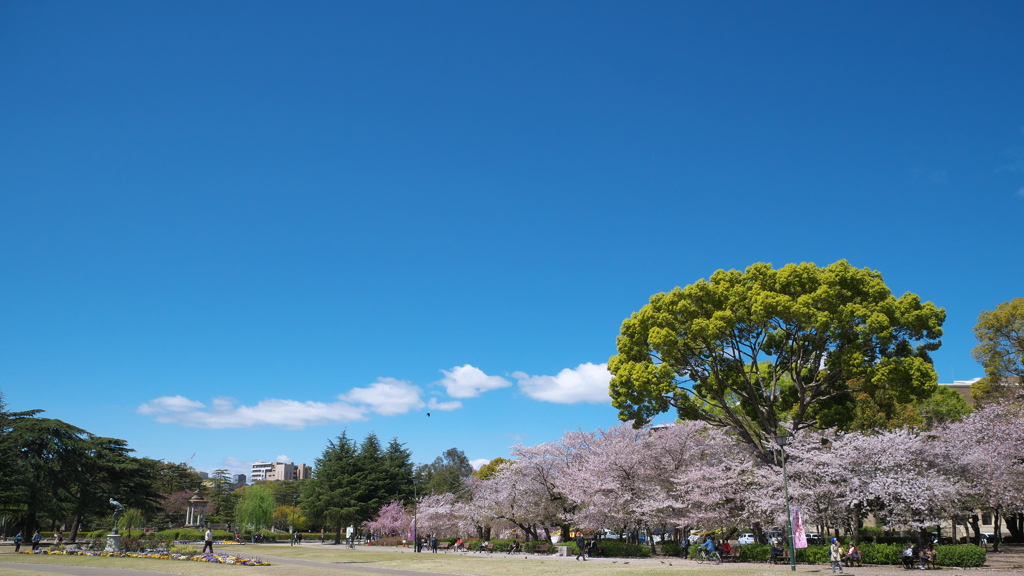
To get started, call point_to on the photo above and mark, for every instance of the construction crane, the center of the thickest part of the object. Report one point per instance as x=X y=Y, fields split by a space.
x=189 y=461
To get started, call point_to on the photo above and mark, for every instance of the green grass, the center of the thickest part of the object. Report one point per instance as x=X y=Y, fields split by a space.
x=350 y=562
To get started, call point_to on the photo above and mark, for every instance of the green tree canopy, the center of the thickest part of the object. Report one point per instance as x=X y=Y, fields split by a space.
x=447 y=474
x=753 y=350
x=255 y=507
x=1000 y=350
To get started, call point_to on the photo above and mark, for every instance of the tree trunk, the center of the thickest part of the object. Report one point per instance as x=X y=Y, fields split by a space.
x=1015 y=524
x=998 y=533
x=975 y=525
x=75 y=523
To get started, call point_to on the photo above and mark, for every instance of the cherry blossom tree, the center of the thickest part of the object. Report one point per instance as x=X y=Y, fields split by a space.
x=391 y=519
x=442 y=515
x=991 y=470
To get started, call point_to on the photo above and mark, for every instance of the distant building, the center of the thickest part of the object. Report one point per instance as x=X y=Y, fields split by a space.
x=204 y=475
x=280 y=471
x=238 y=480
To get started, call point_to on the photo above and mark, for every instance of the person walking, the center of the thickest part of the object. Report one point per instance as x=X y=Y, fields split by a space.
x=835 y=555
x=581 y=547
x=17 y=542
x=36 y=538
x=207 y=541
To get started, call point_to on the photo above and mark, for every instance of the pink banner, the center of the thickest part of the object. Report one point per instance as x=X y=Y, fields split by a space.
x=799 y=536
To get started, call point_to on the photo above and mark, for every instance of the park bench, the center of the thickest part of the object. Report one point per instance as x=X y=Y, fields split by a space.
x=783 y=558
x=851 y=561
x=732 y=556
x=542 y=549
x=444 y=546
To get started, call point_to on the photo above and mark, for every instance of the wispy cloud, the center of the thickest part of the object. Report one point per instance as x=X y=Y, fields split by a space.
x=469 y=382
x=479 y=463
x=433 y=404
x=387 y=397
x=585 y=383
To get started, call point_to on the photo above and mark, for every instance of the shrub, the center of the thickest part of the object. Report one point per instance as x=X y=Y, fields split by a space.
x=619 y=549
x=962 y=556
x=670 y=548
x=884 y=554
x=184 y=549
x=755 y=553
x=812 y=554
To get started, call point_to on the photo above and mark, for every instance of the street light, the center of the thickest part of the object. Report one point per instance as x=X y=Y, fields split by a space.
x=295 y=498
x=415 y=507
x=782 y=440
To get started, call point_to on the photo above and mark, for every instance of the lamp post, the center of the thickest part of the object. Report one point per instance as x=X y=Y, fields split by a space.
x=295 y=498
x=415 y=507
x=782 y=440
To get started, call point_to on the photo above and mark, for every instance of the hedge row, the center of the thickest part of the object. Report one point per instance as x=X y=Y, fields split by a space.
x=959 y=556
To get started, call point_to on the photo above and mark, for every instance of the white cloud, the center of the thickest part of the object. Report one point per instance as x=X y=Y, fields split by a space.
x=479 y=463
x=386 y=397
x=169 y=404
x=469 y=382
x=283 y=458
x=586 y=383
x=433 y=404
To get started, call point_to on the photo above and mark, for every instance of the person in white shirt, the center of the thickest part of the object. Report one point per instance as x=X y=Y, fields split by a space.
x=208 y=541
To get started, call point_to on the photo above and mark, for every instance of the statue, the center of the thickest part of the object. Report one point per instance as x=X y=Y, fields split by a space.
x=118 y=509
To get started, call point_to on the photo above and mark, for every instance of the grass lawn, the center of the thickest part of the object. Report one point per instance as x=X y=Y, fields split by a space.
x=342 y=561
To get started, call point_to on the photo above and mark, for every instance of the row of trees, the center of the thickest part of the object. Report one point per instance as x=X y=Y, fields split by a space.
x=693 y=475
x=352 y=481
x=56 y=474
x=59 y=476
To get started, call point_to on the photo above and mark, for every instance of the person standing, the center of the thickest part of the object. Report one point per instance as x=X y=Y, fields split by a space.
x=580 y=547
x=207 y=541
x=835 y=556
x=433 y=543
x=17 y=542
x=36 y=538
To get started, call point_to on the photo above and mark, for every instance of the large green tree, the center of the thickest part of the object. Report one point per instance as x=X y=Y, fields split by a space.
x=1000 y=350
x=255 y=507
x=350 y=483
x=447 y=474
x=758 y=349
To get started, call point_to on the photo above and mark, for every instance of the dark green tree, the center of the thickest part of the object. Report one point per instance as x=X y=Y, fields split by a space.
x=447 y=473
x=331 y=498
x=752 y=351
x=106 y=470
x=399 y=466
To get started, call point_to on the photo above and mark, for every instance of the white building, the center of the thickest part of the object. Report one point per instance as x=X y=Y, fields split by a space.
x=279 y=471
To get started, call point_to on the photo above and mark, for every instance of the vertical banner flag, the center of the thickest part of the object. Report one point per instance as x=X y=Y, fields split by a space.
x=799 y=536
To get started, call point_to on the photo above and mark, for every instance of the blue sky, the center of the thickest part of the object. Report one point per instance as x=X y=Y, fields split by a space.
x=236 y=229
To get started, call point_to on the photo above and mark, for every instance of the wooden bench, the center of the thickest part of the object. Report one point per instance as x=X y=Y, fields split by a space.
x=732 y=556
x=851 y=561
x=444 y=546
x=542 y=549
x=488 y=548
x=784 y=557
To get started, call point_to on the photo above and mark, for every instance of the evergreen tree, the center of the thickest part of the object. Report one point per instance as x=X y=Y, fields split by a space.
x=447 y=474
x=331 y=497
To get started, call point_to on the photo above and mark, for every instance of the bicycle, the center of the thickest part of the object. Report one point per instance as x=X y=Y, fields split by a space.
x=706 y=556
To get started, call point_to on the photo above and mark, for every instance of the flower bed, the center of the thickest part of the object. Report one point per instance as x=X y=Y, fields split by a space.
x=161 y=555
